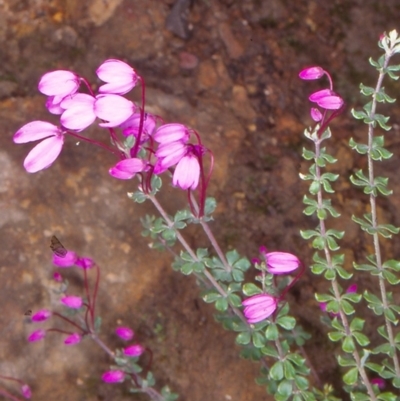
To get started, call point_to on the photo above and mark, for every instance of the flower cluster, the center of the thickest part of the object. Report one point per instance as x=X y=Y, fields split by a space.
x=261 y=306
x=325 y=99
x=133 y=132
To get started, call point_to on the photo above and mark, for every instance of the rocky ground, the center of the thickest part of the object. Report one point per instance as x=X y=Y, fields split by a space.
x=231 y=72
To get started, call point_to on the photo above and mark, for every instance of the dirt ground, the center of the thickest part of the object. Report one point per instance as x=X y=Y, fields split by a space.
x=230 y=73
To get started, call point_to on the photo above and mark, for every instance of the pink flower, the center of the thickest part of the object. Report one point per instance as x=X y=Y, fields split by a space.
x=84 y=263
x=120 y=76
x=72 y=339
x=53 y=107
x=124 y=332
x=131 y=126
x=37 y=335
x=72 y=301
x=79 y=112
x=113 y=376
x=378 y=381
x=316 y=115
x=127 y=169
x=281 y=262
x=114 y=109
x=311 y=73
x=259 y=307
x=187 y=172
x=171 y=133
x=59 y=84
x=169 y=154
x=134 y=350
x=41 y=315
x=46 y=152
x=67 y=261
x=26 y=391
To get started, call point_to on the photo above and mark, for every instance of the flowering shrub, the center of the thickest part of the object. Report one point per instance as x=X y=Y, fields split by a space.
x=146 y=149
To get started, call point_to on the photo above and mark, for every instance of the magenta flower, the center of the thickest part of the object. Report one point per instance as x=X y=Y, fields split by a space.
x=378 y=381
x=41 y=315
x=46 y=152
x=73 y=339
x=37 y=335
x=72 y=301
x=187 y=172
x=127 y=169
x=259 y=307
x=113 y=109
x=53 y=107
x=124 y=332
x=79 y=112
x=67 y=261
x=59 y=84
x=113 y=376
x=327 y=99
x=120 y=77
x=84 y=263
x=168 y=133
x=281 y=262
x=26 y=391
x=311 y=73
x=57 y=277
x=134 y=350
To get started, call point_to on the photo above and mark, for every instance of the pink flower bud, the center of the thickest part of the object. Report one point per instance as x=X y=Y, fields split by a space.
x=281 y=262
x=37 y=336
x=72 y=339
x=57 y=277
x=352 y=289
x=72 y=301
x=113 y=376
x=311 y=73
x=41 y=315
x=124 y=332
x=259 y=307
x=134 y=350
x=378 y=381
x=316 y=115
x=26 y=391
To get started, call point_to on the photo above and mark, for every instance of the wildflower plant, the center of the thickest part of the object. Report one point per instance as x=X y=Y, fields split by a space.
x=148 y=150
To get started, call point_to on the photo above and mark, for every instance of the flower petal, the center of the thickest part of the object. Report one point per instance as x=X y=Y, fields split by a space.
x=126 y=169
x=44 y=154
x=59 y=83
x=34 y=131
x=114 y=109
x=79 y=113
x=171 y=133
x=120 y=76
x=311 y=73
x=187 y=172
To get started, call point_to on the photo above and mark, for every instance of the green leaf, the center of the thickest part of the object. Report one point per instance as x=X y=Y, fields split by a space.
x=285 y=388
x=243 y=338
x=348 y=344
x=272 y=333
x=187 y=268
x=335 y=336
x=357 y=324
x=359 y=397
x=386 y=396
x=250 y=289
x=361 y=338
x=289 y=370
x=287 y=322
x=276 y=371
x=351 y=376
x=210 y=296
x=258 y=339
x=221 y=304
x=210 y=206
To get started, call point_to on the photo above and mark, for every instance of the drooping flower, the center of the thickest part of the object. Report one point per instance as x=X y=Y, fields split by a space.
x=113 y=376
x=281 y=262
x=84 y=263
x=168 y=133
x=37 y=335
x=311 y=73
x=316 y=115
x=120 y=77
x=259 y=307
x=127 y=169
x=187 y=172
x=41 y=315
x=67 y=261
x=327 y=99
x=59 y=84
x=124 y=332
x=73 y=339
x=132 y=124
x=134 y=350
x=46 y=152
x=26 y=391
x=72 y=301
x=78 y=111
x=169 y=154
x=113 y=109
